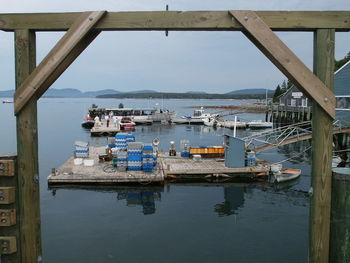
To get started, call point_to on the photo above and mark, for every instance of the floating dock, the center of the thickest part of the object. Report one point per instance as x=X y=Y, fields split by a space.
x=168 y=167
x=103 y=130
x=178 y=167
x=100 y=172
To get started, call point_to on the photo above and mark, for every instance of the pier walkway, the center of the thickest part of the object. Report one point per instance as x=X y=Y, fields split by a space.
x=263 y=141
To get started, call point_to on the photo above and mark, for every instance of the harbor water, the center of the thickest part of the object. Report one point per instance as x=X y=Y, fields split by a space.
x=177 y=222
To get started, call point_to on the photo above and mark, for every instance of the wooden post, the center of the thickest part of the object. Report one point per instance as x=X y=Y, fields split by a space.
x=340 y=223
x=321 y=173
x=27 y=152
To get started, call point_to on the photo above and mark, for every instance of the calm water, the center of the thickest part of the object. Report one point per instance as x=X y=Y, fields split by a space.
x=175 y=223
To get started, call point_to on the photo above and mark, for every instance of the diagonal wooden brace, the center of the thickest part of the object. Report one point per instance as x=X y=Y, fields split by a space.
x=68 y=48
x=284 y=59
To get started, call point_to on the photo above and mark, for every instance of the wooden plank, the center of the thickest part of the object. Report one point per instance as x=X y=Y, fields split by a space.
x=181 y=20
x=321 y=173
x=77 y=38
x=284 y=59
x=29 y=247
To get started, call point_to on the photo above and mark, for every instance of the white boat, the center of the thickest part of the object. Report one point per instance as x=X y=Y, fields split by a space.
x=198 y=117
x=138 y=115
x=231 y=124
x=7 y=101
x=212 y=122
x=260 y=124
x=287 y=174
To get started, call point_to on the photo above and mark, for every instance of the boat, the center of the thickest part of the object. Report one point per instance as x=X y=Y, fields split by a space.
x=126 y=123
x=138 y=115
x=7 y=101
x=259 y=124
x=198 y=117
x=286 y=174
x=88 y=122
x=231 y=124
x=212 y=122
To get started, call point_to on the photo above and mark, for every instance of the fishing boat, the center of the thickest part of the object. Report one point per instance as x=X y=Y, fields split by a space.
x=126 y=123
x=138 y=115
x=198 y=117
x=286 y=174
x=259 y=124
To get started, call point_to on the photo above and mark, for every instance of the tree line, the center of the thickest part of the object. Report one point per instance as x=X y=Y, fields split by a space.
x=173 y=95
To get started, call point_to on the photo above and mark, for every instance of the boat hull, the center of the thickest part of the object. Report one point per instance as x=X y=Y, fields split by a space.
x=287 y=175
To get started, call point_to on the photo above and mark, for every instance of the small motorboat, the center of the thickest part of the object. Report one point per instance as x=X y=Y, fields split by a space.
x=88 y=123
x=260 y=124
x=126 y=123
x=286 y=174
x=7 y=101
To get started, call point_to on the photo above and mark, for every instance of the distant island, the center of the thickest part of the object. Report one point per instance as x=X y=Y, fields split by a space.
x=141 y=94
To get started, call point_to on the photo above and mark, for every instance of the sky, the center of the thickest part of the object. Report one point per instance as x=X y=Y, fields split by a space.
x=213 y=62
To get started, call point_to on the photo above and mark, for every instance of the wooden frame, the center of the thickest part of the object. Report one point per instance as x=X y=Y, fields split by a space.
x=32 y=82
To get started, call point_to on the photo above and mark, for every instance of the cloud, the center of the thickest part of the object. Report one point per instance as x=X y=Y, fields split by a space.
x=208 y=61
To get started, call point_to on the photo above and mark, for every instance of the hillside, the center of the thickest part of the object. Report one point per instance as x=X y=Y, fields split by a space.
x=251 y=91
x=166 y=95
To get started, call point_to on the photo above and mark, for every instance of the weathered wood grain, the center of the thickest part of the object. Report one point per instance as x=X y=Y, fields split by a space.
x=285 y=60
x=321 y=173
x=181 y=21
x=77 y=38
x=27 y=150
x=340 y=223
x=6 y=181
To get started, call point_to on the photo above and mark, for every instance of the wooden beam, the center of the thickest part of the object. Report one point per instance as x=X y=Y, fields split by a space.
x=181 y=20
x=284 y=59
x=77 y=38
x=322 y=138
x=27 y=151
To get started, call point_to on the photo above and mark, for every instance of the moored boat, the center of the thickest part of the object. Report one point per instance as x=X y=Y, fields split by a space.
x=88 y=123
x=126 y=123
x=198 y=117
x=7 y=101
x=259 y=124
x=287 y=174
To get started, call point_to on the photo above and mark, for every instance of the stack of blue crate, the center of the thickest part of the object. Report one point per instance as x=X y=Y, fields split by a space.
x=121 y=162
x=130 y=138
x=135 y=156
x=81 y=149
x=120 y=141
x=147 y=158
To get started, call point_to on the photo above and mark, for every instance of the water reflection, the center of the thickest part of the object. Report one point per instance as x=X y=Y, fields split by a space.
x=234 y=199
x=234 y=194
x=144 y=198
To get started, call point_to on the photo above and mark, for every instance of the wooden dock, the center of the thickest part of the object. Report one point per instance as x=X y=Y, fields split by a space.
x=103 y=130
x=174 y=167
x=168 y=167
x=100 y=173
